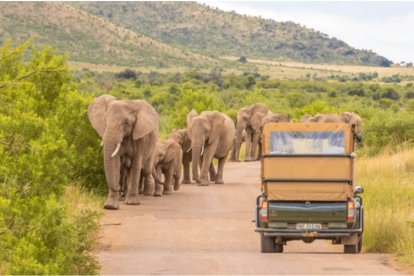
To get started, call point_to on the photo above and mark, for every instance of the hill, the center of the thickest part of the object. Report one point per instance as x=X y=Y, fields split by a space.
x=214 y=32
x=88 y=38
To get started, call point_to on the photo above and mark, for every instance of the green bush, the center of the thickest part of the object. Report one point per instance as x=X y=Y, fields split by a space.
x=43 y=150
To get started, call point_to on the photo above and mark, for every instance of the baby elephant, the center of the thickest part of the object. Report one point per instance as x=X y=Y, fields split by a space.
x=167 y=161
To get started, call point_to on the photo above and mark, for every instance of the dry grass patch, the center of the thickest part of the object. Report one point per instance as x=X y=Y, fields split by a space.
x=389 y=203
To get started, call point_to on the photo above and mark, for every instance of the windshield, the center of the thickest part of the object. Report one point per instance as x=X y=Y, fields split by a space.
x=305 y=142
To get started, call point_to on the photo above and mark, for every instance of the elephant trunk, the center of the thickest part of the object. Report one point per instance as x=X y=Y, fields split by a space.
x=157 y=177
x=112 y=166
x=196 y=155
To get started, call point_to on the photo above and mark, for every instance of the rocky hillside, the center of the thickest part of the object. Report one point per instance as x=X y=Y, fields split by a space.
x=169 y=34
x=214 y=32
x=88 y=38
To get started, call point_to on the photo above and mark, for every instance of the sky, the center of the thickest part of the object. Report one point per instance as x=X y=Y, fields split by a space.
x=386 y=28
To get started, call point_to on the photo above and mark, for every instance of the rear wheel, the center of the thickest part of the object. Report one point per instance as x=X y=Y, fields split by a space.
x=267 y=244
x=360 y=244
x=351 y=248
x=354 y=248
x=278 y=248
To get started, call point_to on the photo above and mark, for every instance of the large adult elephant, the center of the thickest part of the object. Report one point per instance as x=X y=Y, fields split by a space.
x=260 y=119
x=244 y=123
x=183 y=138
x=167 y=161
x=353 y=119
x=129 y=131
x=212 y=134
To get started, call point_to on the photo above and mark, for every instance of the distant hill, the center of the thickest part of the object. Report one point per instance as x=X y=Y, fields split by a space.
x=88 y=38
x=169 y=34
x=215 y=32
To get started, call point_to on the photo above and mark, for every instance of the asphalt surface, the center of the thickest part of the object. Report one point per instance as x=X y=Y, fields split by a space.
x=208 y=230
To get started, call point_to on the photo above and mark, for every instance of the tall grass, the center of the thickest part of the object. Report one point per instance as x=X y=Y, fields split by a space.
x=388 y=180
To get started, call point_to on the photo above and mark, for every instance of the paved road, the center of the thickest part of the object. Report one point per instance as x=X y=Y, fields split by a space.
x=208 y=230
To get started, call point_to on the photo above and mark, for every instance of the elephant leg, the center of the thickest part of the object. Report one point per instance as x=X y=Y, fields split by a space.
x=219 y=179
x=247 y=147
x=168 y=181
x=141 y=185
x=177 y=177
x=212 y=172
x=259 y=154
x=123 y=185
x=233 y=153
x=207 y=159
x=158 y=186
x=255 y=141
x=149 y=183
x=186 y=167
x=133 y=182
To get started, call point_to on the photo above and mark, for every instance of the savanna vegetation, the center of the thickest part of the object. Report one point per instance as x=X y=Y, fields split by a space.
x=50 y=165
x=48 y=220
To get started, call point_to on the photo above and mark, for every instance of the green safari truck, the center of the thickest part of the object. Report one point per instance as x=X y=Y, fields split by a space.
x=308 y=186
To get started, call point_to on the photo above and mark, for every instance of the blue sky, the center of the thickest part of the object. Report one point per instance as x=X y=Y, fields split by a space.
x=387 y=28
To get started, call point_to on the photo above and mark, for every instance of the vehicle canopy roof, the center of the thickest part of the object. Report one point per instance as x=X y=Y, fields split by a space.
x=307 y=161
x=307 y=138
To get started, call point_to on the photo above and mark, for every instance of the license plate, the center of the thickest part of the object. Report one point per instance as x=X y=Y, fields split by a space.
x=308 y=226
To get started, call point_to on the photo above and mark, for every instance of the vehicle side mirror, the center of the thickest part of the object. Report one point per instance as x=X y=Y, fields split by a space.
x=359 y=190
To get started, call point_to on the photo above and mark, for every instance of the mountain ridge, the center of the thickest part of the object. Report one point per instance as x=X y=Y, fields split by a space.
x=169 y=34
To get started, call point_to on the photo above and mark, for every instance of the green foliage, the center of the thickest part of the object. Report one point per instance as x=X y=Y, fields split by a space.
x=42 y=120
x=313 y=109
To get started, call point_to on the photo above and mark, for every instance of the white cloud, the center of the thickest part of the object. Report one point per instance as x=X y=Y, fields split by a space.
x=392 y=36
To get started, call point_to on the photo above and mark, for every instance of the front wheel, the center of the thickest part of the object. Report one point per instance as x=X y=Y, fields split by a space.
x=267 y=244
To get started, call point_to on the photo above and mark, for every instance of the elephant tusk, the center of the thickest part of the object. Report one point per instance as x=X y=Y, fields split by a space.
x=118 y=146
x=188 y=150
x=102 y=143
x=202 y=151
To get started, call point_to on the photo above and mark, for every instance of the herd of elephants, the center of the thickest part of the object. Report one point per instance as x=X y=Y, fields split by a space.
x=136 y=162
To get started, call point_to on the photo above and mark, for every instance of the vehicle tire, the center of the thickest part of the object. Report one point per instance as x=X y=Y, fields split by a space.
x=360 y=244
x=267 y=244
x=351 y=249
x=278 y=248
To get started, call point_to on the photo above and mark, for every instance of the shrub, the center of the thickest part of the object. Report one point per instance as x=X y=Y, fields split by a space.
x=42 y=121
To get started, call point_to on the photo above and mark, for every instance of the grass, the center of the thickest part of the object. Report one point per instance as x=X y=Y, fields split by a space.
x=389 y=203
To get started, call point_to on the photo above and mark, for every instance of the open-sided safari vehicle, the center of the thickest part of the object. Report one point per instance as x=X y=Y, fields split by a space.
x=308 y=187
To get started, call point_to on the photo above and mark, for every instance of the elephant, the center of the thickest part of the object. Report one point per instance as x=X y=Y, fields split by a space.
x=260 y=119
x=212 y=134
x=244 y=122
x=233 y=149
x=183 y=138
x=167 y=161
x=129 y=131
x=353 y=119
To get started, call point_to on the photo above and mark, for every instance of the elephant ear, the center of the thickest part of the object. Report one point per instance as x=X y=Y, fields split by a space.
x=190 y=117
x=351 y=118
x=173 y=151
x=146 y=119
x=97 y=110
x=217 y=125
x=256 y=121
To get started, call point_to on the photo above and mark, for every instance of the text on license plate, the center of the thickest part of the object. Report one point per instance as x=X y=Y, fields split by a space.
x=308 y=226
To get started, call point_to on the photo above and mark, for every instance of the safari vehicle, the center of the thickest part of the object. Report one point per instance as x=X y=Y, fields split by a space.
x=308 y=186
